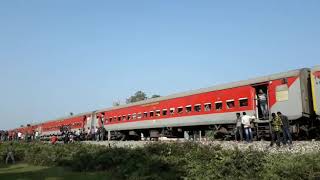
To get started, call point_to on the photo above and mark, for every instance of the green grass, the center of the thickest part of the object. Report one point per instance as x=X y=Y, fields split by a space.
x=30 y=172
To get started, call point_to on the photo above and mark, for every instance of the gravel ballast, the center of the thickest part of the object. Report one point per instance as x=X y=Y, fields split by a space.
x=300 y=147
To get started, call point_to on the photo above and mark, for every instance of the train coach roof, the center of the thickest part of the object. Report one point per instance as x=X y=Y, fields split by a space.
x=316 y=68
x=213 y=88
x=65 y=117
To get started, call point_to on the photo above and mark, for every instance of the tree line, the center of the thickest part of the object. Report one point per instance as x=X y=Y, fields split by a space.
x=136 y=97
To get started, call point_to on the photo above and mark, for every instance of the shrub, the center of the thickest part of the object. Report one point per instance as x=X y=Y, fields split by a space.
x=170 y=161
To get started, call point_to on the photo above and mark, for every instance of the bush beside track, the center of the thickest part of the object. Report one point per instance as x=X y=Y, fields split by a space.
x=170 y=161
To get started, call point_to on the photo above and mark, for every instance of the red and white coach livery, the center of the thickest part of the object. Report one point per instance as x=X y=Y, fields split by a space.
x=315 y=85
x=295 y=93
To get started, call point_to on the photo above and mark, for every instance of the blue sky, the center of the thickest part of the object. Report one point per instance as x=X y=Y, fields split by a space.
x=75 y=56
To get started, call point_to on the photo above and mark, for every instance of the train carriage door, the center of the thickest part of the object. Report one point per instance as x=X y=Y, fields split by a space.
x=315 y=86
x=89 y=121
x=262 y=100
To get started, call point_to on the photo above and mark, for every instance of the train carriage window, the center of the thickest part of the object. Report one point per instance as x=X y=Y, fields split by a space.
x=134 y=116
x=129 y=117
x=207 y=107
x=115 y=118
x=282 y=93
x=180 y=110
x=119 y=118
x=197 y=108
x=139 y=115
x=284 y=80
x=145 y=115
x=158 y=113
x=188 y=108
x=151 y=113
x=123 y=118
x=230 y=104
x=110 y=119
x=243 y=102
x=171 y=111
x=106 y=119
x=218 y=105
x=164 y=112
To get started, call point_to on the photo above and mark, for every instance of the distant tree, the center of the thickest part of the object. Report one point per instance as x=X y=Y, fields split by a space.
x=71 y=113
x=138 y=96
x=155 y=96
x=116 y=103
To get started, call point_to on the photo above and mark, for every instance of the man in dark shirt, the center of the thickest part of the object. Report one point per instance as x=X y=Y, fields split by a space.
x=286 y=128
x=238 y=128
x=276 y=124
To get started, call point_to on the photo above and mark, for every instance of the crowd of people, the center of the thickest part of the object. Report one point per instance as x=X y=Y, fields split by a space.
x=89 y=134
x=19 y=136
x=66 y=135
x=280 y=128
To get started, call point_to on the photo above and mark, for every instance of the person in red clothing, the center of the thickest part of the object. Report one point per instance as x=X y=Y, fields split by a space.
x=54 y=139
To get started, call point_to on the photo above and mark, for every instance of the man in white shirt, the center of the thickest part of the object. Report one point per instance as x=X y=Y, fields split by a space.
x=19 y=135
x=246 y=121
x=36 y=135
x=239 y=128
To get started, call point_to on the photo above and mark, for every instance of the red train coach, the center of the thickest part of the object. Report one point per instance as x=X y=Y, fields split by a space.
x=73 y=122
x=294 y=93
x=288 y=92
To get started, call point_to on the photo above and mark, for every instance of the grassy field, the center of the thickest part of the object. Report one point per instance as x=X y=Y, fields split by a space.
x=30 y=172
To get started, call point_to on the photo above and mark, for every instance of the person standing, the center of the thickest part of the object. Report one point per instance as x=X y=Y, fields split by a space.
x=246 y=121
x=1 y=135
x=102 y=130
x=37 y=135
x=78 y=134
x=88 y=134
x=10 y=152
x=96 y=133
x=19 y=135
x=239 y=127
x=262 y=97
x=54 y=139
x=286 y=129
x=275 y=129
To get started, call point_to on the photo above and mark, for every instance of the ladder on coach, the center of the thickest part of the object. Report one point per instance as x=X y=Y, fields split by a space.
x=263 y=130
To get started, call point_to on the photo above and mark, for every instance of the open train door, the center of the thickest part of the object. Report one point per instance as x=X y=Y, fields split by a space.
x=261 y=100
